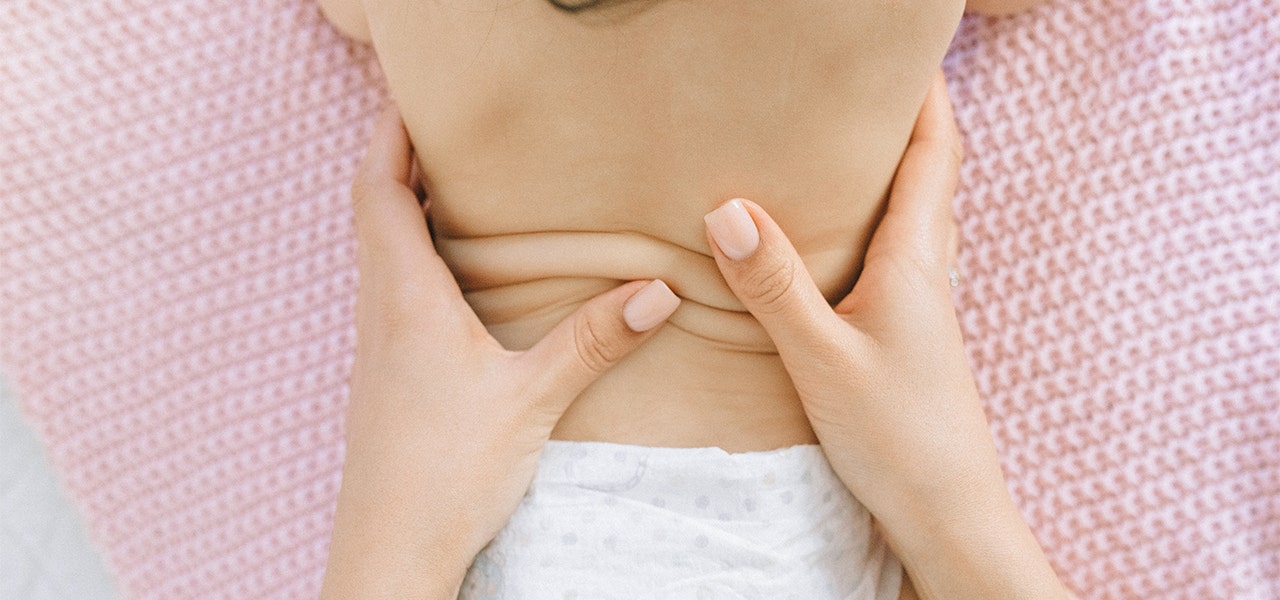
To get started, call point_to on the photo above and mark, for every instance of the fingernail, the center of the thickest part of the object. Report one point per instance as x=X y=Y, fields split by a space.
x=733 y=229
x=650 y=306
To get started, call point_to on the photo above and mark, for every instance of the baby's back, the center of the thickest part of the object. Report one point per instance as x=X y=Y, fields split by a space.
x=565 y=152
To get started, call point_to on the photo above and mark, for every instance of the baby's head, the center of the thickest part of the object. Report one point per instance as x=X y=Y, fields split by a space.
x=989 y=7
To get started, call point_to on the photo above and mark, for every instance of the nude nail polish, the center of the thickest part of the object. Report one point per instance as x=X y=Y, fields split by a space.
x=650 y=306
x=733 y=229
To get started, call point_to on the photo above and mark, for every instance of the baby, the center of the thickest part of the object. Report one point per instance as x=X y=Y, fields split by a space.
x=566 y=148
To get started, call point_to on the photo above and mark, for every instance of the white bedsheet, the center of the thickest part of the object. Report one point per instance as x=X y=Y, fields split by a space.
x=45 y=552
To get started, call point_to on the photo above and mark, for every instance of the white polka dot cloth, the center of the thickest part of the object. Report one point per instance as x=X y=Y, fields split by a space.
x=612 y=521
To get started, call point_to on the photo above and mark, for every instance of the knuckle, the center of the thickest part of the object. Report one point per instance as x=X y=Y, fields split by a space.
x=593 y=345
x=395 y=304
x=918 y=273
x=360 y=192
x=955 y=154
x=363 y=188
x=769 y=287
x=397 y=310
x=369 y=184
x=387 y=321
x=400 y=305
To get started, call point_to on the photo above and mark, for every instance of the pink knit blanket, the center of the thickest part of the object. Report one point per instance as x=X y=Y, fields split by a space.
x=177 y=278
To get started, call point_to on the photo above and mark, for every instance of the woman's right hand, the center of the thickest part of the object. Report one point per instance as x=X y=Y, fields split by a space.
x=884 y=379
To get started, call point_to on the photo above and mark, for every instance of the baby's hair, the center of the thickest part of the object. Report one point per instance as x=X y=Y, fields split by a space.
x=610 y=10
x=573 y=5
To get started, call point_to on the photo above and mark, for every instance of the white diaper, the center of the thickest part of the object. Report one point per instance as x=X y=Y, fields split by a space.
x=612 y=521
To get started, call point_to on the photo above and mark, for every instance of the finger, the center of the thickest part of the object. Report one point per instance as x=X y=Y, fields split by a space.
x=404 y=285
x=953 y=243
x=766 y=274
x=918 y=224
x=596 y=336
x=389 y=221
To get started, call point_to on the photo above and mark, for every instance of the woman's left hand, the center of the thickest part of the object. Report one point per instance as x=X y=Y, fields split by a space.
x=884 y=380
x=445 y=426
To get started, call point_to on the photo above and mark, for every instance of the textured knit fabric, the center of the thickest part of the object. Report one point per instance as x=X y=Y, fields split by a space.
x=177 y=279
x=614 y=522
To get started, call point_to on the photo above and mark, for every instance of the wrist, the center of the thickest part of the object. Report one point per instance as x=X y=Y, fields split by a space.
x=976 y=546
x=392 y=568
x=389 y=543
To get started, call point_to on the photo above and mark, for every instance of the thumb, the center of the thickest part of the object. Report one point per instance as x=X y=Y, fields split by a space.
x=596 y=337
x=766 y=274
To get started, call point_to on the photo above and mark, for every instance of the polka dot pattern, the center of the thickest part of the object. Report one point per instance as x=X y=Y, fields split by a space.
x=177 y=276
x=613 y=521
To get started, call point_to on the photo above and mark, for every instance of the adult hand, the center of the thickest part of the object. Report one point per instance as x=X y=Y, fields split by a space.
x=445 y=426
x=884 y=380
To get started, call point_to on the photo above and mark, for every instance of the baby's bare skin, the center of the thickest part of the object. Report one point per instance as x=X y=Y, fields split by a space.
x=565 y=153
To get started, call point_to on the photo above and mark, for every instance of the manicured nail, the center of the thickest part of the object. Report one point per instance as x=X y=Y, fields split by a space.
x=733 y=230
x=650 y=306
